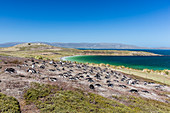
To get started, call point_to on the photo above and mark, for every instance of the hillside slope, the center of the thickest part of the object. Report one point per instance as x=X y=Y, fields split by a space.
x=62 y=87
x=53 y=52
x=82 y=45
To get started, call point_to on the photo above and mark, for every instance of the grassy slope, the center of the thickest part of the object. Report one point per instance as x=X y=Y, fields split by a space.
x=56 y=52
x=8 y=104
x=153 y=76
x=52 y=99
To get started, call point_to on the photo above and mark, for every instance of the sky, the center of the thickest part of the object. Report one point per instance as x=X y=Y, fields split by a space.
x=136 y=22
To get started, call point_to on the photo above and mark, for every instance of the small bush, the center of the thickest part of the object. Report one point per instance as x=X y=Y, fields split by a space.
x=8 y=104
x=37 y=91
x=38 y=57
x=15 y=62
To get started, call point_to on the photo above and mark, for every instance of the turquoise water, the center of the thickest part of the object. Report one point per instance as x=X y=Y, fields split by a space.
x=136 y=62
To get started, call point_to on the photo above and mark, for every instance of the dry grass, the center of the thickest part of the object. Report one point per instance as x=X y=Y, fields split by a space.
x=153 y=76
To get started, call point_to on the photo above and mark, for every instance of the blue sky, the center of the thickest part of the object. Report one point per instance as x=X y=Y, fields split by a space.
x=136 y=22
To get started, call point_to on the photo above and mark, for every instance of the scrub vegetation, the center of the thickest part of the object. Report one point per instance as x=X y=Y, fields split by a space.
x=144 y=105
x=8 y=104
x=52 y=99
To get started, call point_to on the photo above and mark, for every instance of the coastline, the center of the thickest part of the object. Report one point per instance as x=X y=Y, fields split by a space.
x=156 y=75
x=65 y=59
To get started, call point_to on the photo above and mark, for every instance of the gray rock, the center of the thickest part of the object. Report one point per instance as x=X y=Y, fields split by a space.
x=98 y=85
x=110 y=85
x=145 y=91
x=42 y=67
x=91 y=86
x=123 y=86
x=10 y=70
x=134 y=91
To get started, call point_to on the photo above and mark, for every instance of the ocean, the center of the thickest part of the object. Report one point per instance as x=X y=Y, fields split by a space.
x=136 y=62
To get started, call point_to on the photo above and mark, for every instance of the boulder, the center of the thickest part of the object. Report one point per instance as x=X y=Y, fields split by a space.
x=42 y=67
x=98 y=85
x=81 y=76
x=87 y=75
x=10 y=70
x=91 y=86
x=31 y=70
x=145 y=91
x=115 y=80
x=110 y=85
x=51 y=62
x=107 y=76
x=123 y=86
x=52 y=70
x=108 y=81
x=134 y=91
x=55 y=65
x=90 y=79
x=53 y=79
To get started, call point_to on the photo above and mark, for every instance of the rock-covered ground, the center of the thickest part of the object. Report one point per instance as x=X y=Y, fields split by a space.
x=16 y=75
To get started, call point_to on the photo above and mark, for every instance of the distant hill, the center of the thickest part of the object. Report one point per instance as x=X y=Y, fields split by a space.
x=82 y=45
x=86 y=45
x=163 y=48
x=30 y=47
x=96 y=45
x=10 y=44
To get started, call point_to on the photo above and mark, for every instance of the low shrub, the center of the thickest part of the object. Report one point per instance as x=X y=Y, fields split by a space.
x=38 y=57
x=8 y=104
x=49 y=100
x=144 y=105
x=37 y=91
x=52 y=99
x=15 y=62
